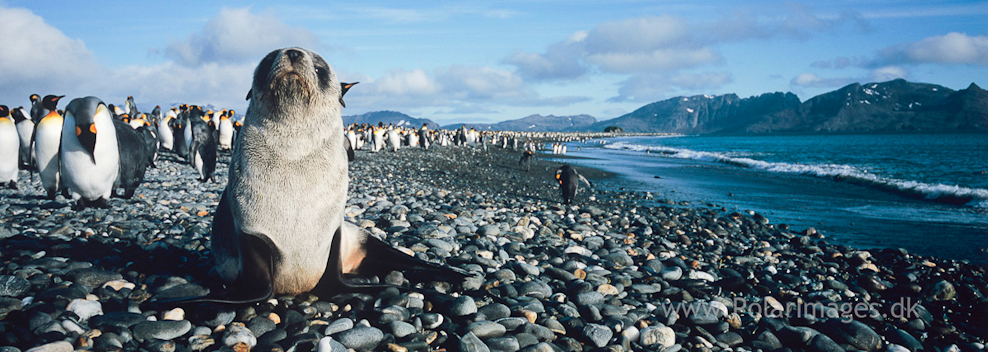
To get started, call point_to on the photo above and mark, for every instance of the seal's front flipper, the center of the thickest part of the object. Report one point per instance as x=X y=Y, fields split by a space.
x=333 y=281
x=251 y=260
x=380 y=258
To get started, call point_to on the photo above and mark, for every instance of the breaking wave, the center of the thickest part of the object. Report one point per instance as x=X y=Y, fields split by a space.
x=952 y=194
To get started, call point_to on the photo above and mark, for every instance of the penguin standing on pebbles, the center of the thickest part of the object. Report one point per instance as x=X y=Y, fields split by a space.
x=569 y=180
x=10 y=144
x=90 y=154
x=203 y=147
x=47 y=139
x=133 y=158
x=526 y=159
x=25 y=127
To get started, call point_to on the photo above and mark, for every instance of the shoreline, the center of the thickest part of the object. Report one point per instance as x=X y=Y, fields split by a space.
x=574 y=278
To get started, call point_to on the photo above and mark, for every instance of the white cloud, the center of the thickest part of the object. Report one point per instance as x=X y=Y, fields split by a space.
x=39 y=58
x=951 y=48
x=811 y=80
x=657 y=86
x=888 y=73
x=237 y=36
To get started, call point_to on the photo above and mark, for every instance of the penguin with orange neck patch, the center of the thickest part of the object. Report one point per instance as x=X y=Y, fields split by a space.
x=47 y=141
x=89 y=152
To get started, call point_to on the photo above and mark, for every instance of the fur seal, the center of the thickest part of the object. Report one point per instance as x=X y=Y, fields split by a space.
x=569 y=180
x=279 y=227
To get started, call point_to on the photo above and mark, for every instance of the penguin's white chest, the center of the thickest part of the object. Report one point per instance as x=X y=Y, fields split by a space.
x=9 y=150
x=165 y=135
x=226 y=134
x=90 y=176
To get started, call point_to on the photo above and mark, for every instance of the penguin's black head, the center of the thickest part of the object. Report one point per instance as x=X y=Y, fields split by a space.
x=85 y=111
x=4 y=111
x=34 y=98
x=50 y=102
x=18 y=114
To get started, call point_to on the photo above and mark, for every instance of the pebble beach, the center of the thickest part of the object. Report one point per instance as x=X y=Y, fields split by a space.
x=617 y=271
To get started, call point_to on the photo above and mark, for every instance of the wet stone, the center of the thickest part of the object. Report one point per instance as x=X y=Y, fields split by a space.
x=237 y=333
x=463 y=305
x=401 y=329
x=471 y=343
x=361 y=337
x=93 y=277
x=486 y=329
x=505 y=344
x=598 y=335
x=13 y=286
x=161 y=330
x=494 y=311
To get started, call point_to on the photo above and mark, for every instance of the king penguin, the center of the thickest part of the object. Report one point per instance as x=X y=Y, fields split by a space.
x=226 y=132
x=569 y=181
x=25 y=127
x=133 y=158
x=46 y=139
x=203 y=148
x=90 y=155
x=180 y=147
x=165 y=136
x=10 y=144
x=37 y=112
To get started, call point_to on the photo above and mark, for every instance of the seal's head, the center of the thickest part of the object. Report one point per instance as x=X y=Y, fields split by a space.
x=292 y=82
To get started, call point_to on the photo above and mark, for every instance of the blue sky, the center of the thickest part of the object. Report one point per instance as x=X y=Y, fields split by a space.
x=488 y=61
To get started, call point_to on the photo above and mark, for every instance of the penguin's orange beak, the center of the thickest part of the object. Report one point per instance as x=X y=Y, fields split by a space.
x=87 y=137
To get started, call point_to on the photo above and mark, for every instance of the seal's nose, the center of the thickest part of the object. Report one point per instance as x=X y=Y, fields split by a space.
x=294 y=55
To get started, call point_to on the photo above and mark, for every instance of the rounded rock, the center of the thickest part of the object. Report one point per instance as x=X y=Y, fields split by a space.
x=361 y=337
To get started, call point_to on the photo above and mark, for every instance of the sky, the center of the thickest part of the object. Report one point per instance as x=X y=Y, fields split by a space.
x=488 y=61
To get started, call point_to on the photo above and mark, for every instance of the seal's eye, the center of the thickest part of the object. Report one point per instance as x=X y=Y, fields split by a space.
x=323 y=74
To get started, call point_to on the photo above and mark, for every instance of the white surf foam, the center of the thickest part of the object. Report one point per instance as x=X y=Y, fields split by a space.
x=973 y=197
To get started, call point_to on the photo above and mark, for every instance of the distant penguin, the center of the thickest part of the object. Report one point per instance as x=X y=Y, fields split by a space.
x=90 y=154
x=179 y=123
x=187 y=129
x=351 y=136
x=165 y=136
x=203 y=146
x=226 y=132
x=526 y=160
x=46 y=139
x=139 y=121
x=151 y=144
x=130 y=108
x=394 y=139
x=37 y=111
x=10 y=144
x=25 y=127
x=569 y=181
x=378 y=139
x=133 y=159
x=424 y=136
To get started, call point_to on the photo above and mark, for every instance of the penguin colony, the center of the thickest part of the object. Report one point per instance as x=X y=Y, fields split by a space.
x=44 y=144
x=92 y=151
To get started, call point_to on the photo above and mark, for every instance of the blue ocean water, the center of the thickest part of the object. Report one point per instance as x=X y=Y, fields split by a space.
x=927 y=193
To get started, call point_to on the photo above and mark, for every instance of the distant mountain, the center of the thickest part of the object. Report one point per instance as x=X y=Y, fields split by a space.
x=702 y=113
x=389 y=118
x=535 y=123
x=893 y=106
